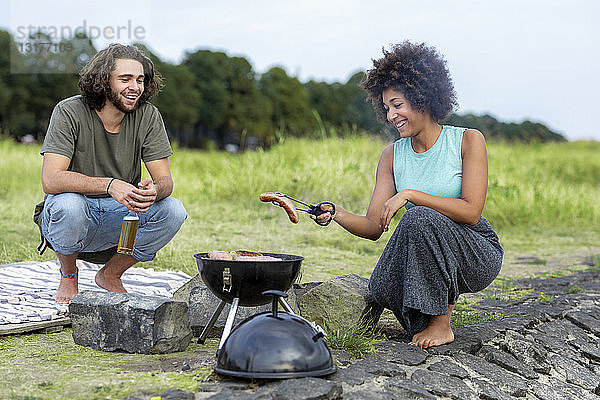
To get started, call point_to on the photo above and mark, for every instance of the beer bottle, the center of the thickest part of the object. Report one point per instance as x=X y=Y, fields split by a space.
x=128 y=233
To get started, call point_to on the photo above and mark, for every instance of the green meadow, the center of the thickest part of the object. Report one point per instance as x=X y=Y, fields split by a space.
x=543 y=198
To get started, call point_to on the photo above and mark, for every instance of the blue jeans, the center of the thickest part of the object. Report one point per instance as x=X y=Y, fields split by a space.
x=72 y=223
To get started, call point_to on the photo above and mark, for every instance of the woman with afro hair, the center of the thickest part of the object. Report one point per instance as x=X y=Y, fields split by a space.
x=442 y=246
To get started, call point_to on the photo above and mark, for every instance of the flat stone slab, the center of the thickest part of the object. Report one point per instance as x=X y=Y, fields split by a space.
x=129 y=322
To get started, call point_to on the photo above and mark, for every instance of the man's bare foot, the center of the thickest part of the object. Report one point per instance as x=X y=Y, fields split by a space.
x=112 y=283
x=438 y=331
x=109 y=276
x=67 y=289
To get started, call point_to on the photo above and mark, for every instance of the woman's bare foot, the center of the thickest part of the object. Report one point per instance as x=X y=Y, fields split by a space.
x=67 y=289
x=438 y=331
x=112 y=283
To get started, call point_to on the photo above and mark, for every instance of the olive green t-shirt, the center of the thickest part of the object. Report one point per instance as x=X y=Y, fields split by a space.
x=77 y=132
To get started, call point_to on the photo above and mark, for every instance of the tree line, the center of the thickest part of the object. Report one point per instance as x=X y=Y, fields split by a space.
x=209 y=99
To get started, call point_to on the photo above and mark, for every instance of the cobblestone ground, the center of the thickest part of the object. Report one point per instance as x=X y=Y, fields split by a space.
x=547 y=347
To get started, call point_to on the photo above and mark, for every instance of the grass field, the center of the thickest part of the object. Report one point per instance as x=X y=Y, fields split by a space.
x=542 y=198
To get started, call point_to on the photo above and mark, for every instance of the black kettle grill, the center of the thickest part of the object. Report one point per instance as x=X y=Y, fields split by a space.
x=267 y=345
x=242 y=283
x=273 y=345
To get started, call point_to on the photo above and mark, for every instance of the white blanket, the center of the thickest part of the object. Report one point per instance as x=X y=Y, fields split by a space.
x=28 y=289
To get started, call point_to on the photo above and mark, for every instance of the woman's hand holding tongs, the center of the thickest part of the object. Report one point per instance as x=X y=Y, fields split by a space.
x=321 y=213
x=324 y=213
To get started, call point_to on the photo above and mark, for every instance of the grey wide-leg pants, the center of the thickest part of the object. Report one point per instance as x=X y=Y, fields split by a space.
x=429 y=261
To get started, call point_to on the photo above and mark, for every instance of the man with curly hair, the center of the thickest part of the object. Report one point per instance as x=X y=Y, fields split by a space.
x=91 y=171
x=442 y=246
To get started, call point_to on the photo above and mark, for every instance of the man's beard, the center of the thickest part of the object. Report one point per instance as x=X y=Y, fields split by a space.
x=115 y=99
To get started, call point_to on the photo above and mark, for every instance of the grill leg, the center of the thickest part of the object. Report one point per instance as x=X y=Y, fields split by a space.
x=229 y=323
x=286 y=306
x=211 y=322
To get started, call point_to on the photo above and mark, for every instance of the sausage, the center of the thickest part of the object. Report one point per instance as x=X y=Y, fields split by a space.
x=240 y=255
x=257 y=258
x=220 y=255
x=284 y=202
x=246 y=253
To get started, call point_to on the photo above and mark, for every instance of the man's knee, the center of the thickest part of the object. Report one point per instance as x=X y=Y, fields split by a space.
x=176 y=211
x=71 y=208
x=172 y=212
x=158 y=227
x=65 y=221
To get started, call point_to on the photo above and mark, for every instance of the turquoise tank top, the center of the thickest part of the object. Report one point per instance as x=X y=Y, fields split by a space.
x=437 y=171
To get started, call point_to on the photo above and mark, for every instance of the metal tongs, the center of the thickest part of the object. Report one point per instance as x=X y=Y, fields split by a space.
x=314 y=209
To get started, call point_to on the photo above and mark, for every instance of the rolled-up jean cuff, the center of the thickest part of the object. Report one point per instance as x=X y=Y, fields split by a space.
x=141 y=256
x=64 y=250
x=57 y=247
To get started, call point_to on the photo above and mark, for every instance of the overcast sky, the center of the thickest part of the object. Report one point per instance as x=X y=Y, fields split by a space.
x=516 y=60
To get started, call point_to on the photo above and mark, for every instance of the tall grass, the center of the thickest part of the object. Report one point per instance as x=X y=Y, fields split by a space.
x=544 y=184
x=535 y=190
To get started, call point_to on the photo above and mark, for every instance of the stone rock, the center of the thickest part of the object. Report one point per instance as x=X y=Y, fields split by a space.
x=371 y=393
x=591 y=351
x=575 y=372
x=443 y=385
x=208 y=390
x=407 y=389
x=468 y=339
x=494 y=360
x=228 y=394
x=517 y=323
x=352 y=375
x=571 y=391
x=448 y=367
x=183 y=293
x=461 y=344
x=389 y=325
x=556 y=344
x=400 y=353
x=202 y=303
x=543 y=391
x=507 y=361
x=341 y=357
x=307 y=389
x=532 y=308
x=301 y=288
x=129 y=322
x=367 y=369
x=504 y=380
x=488 y=391
x=339 y=303
x=563 y=330
x=378 y=367
x=585 y=320
x=526 y=351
